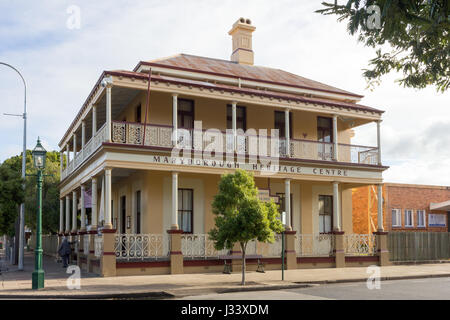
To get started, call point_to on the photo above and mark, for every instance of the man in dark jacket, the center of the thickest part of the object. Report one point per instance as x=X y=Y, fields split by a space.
x=64 y=251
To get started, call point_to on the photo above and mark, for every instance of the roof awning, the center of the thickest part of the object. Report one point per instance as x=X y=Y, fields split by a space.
x=442 y=206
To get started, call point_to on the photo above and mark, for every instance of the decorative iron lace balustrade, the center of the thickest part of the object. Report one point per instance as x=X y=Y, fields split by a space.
x=314 y=245
x=98 y=245
x=199 y=246
x=86 y=244
x=89 y=148
x=141 y=246
x=360 y=244
x=357 y=154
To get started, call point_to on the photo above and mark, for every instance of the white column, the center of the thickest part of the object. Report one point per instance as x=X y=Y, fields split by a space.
x=174 y=118
x=379 y=141
x=174 y=201
x=335 y=138
x=83 y=210
x=74 y=145
x=108 y=113
x=83 y=136
x=61 y=162
x=287 y=202
x=94 y=120
x=336 y=207
x=234 y=124
x=108 y=224
x=94 y=203
x=68 y=155
x=61 y=215
x=67 y=214
x=74 y=211
x=380 y=207
x=286 y=132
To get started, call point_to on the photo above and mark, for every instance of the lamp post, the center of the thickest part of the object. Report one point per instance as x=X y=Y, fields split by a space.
x=283 y=219
x=39 y=157
x=24 y=155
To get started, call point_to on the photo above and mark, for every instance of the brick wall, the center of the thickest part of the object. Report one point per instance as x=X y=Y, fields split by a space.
x=415 y=197
x=396 y=196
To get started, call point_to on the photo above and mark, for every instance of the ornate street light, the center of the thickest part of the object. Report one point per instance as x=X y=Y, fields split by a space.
x=39 y=157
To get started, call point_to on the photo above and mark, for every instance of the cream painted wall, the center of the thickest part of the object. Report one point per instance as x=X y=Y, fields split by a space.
x=212 y=113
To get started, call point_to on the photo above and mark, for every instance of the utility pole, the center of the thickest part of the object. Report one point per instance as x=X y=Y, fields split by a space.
x=24 y=158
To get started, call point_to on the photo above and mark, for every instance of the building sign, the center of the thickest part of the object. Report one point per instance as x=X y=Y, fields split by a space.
x=265 y=169
x=436 y=220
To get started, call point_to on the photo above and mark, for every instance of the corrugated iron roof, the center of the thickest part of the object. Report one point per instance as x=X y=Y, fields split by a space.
x=234 y=69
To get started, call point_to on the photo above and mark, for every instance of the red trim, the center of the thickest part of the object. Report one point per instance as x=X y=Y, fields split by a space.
x=338 y=232
x=322 y=162
x=148 y=264
x=198 y=263
x=380 y=233
x=107 y=253
x=289 y=251
x=108 y=231
x=92 y=232
x=73 y=233
x=315 y=259
x=175 y=253
x=82 y=233
x=243 y=78
x=290 y=232
x=91 y=251
x=174 y=231
x=362 y=259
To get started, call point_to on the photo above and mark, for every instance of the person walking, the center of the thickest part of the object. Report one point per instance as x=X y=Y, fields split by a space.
x=64 y=251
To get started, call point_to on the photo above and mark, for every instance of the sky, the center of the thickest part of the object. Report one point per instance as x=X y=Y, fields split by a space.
x=61 y=63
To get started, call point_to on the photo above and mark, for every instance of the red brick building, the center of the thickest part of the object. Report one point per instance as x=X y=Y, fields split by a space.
x=407 y=207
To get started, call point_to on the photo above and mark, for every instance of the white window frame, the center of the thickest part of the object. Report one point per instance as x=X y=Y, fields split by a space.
x=423 y=212
x=398 y=217
x=412 y=218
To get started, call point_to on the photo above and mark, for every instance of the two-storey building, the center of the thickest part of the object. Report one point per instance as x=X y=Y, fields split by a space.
x=145 y=153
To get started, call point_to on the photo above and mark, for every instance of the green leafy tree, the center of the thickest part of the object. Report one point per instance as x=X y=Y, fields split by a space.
x=11 y=196
x=50 y=190
x=240 y=216
x=417 y=31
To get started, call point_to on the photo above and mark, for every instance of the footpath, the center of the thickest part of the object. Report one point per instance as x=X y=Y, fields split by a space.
x=16 y=284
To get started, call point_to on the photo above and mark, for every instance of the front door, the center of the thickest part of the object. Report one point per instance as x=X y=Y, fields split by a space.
x=325 y=138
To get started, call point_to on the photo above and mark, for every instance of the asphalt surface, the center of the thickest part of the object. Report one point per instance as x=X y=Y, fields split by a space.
x=411 y=289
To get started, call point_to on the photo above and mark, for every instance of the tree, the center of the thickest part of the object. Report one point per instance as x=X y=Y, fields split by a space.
x=50 y=190
x=240 y=216
x=11 y=196
x=417 y=31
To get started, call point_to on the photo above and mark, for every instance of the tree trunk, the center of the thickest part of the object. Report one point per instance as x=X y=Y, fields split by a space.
x=243 y=247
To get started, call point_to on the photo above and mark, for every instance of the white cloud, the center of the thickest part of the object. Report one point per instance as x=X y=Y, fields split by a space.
x=61 y=66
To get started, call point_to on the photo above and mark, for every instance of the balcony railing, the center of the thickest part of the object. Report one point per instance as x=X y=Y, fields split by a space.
x=252 y=145
x=92 y=145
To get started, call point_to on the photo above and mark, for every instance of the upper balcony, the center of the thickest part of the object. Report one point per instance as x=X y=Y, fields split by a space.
x=316 y=133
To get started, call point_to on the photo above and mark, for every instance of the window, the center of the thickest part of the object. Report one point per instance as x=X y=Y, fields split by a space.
x=325 y=214
x=185 y=116
x=324 y=129
x=185 y=209
x=409 y=218
x=138 y=211
x=396 y=218
x=282 y=204
x=123 y=214
x=138 y=116
x=241 y=118
x=280 y=123
x=325 y=134
x=421 y=218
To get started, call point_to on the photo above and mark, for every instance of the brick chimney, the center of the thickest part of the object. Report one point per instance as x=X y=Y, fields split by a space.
x=241 y=34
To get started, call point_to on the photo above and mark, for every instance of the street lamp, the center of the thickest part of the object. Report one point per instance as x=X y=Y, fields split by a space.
x=39 y=157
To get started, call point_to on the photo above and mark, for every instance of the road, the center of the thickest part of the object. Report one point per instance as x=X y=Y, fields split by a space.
x=421 y=289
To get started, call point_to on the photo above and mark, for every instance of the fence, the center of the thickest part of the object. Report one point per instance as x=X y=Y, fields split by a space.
x=418 y=246
x=49 y=244
x=360 y=244
x=141 y=246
